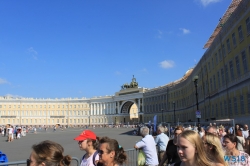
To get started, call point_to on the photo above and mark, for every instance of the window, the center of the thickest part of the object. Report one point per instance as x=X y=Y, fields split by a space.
x=242 y=105
x=237 y=62
x=209 y=69
x=230 y=107
x=234 y=40
x=240 y=33
x=212 y=63
x=228 y=45
x=226 y=73
x=216 y=110
x=212 y=112
x=214 y=83
x=221 y=109
x=220 y=56
x=235 y=106
x=211 y=84
x=231 y=70
x=216 y=58
x=223 y=50
x=244 y=61
x=218 y=74
x=248 y=25
x=222 y=77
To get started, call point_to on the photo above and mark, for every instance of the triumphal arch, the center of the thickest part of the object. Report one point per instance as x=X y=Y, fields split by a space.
x=124 y=107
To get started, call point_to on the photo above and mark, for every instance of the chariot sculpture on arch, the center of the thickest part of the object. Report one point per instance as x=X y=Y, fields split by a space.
x=133 y=84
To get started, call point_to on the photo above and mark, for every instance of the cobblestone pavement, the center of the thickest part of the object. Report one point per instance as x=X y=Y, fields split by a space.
x=20 y=149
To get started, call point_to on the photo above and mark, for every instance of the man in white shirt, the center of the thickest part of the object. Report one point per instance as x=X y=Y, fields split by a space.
x=147 y=144
x=10 y=132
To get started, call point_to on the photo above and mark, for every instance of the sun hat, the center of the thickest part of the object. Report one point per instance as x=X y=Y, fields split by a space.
x=86 y=134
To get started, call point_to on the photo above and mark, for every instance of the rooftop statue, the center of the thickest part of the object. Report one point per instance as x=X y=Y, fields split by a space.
x=133 y=84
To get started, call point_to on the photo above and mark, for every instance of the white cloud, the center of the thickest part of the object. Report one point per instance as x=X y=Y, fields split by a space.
x=33 y=52
x=185 y=31
x=118 y=73
x=3 y=81
x=144 y=70
x=207 y=2
x=167 y=64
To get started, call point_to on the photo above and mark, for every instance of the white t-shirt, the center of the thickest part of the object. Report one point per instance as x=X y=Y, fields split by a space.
x=89 y=161
x=10 y=130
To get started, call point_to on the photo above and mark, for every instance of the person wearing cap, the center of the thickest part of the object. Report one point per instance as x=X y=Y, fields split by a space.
x=87 y=141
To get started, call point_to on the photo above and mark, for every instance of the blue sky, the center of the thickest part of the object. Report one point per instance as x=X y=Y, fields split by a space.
x=87 y=48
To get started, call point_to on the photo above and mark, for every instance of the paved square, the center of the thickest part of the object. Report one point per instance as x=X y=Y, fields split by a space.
x=20 y=149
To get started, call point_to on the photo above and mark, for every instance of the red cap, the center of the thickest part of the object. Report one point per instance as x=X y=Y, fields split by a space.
x=86 y=134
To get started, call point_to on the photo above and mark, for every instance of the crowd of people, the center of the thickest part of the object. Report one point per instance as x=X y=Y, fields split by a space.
x=185 y=146
x=196 y=146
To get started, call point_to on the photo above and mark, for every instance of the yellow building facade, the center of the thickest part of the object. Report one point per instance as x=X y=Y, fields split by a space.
x=223 y=72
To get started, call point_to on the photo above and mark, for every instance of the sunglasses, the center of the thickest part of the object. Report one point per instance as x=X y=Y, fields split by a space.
x=28 y=162
x=101 y=152
x=80 y=142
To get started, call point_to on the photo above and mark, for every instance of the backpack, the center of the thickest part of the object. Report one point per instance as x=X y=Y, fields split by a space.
x=96 y=152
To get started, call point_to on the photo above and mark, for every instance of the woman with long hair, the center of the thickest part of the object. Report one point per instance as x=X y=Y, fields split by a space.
x=214 y=149
x=191 y=150
x=233 y=156
x=111 y=153
x=48 y=153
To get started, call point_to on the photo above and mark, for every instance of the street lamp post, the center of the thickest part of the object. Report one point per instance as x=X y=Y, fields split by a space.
x=174 y=112
x=161 y=115
x=195 y=79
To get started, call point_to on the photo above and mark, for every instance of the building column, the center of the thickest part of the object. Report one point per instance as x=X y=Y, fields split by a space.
x=91 y=109
x=118 y=107
x=101 y=108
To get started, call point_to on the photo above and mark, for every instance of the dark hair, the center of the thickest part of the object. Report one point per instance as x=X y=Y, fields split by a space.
x=95 y=143
x=51 y=153
x=232 y=138
x=120 y=155
x=239 y=133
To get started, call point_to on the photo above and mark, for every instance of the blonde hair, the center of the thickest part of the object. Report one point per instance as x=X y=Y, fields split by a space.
x=200 y=156
x=216 y=154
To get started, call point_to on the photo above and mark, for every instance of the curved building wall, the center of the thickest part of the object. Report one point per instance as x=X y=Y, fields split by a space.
x=224 y=78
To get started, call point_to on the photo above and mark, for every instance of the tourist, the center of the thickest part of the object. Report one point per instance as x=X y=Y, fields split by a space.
x=212 y=130
x=171 y=154
x=148 y=146
x=214 y=149
x=10 y=132
x=240 y=140
x=111 y=153
x=245 y=134
x=230 y=144
x=87 y=141
x=48 y=153
x=161 y=141
x=191 y=150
